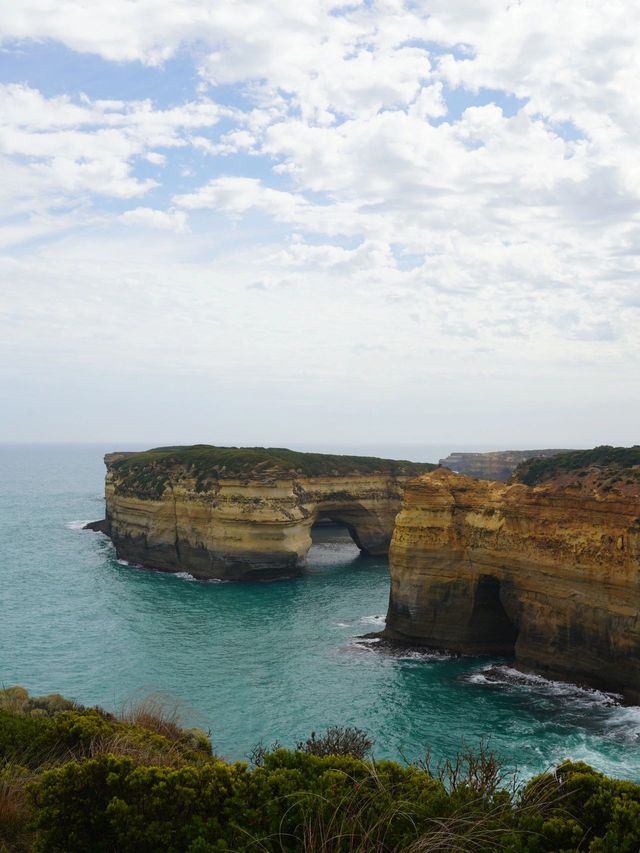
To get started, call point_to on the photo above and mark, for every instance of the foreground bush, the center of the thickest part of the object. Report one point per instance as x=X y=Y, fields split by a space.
x=581 y=810
x=302 y=802
x=289 y=804
x=61 y=735
x=76 y=780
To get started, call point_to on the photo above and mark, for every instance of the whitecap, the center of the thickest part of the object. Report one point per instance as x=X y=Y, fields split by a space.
x=382 y=646
x=623 y=723
x=184 y=575
x=121 y=562
x=363 y=645
x=78 y=525
x=510 y=677
x=374 y=620
x=422 y=654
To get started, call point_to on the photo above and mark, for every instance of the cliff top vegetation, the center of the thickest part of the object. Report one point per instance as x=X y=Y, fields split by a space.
x=149 y=469
x=610 y=464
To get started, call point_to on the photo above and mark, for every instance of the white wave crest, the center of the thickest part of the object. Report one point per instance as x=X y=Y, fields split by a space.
x=422 y=654
x=121 y=562
x=185 y=576
x=364 y=645
x=506 y=675
x=79 y=524
x=380 y=646
x=374 y=620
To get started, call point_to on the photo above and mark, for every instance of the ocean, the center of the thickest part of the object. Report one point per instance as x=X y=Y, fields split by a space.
x=265 y=662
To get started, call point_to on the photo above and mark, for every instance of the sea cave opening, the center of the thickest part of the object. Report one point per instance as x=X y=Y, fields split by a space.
x=327 y=528
x=491 y=627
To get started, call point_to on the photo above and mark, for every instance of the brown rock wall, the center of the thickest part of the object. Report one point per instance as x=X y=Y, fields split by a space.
x=247 y=528
x=550 y=575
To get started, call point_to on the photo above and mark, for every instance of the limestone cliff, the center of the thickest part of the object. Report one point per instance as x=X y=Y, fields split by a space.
x=549 y=573
x=496 y=465
x=245 y=513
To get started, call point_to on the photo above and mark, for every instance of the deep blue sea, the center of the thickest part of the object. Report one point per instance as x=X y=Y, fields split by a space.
x=261 y=662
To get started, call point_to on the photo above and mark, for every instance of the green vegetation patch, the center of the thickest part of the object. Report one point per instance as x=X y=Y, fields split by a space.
x=612 y=463
x=81 y=779
x=147 y=473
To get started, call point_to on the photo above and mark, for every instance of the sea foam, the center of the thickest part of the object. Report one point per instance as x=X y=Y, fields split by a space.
x=507 y=676
x=79 y=524
x=374 y=620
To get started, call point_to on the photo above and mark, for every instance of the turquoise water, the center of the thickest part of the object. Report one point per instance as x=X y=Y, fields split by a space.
x=256 y=662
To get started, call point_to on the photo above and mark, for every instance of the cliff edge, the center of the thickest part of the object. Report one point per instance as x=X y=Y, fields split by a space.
x=245 y=513
x=547 y=571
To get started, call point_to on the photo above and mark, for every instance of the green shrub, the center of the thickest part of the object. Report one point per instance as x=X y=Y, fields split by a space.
x=22 y=738
x=110 y=804
x=581 y=810
x=299 y=802
x=338 y=740
x=70 y=735
x=82 y=781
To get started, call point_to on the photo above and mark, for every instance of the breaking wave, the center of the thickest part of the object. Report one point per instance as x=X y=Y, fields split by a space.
x=507 y=676
x=79 y=524
x=381 y=621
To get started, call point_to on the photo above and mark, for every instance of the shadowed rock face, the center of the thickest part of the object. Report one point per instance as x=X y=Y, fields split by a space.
x=549 y=574
x=244 y=515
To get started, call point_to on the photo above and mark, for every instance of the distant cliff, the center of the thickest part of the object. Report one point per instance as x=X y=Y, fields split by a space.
x=245 y=513
x=498 y=465
x=548 y=572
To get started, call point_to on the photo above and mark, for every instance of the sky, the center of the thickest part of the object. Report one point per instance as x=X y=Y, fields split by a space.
x=310 y=223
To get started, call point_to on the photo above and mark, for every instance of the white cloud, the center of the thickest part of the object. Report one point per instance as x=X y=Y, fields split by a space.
x=59 y=152
x=168 y=220
x=509 y=227
x=155 y=158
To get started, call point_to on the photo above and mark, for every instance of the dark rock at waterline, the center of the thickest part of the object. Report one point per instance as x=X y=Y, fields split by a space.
x=97 y=526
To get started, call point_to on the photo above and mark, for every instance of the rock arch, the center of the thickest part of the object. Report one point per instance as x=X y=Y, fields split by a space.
x=169 y=515
x=370 y=531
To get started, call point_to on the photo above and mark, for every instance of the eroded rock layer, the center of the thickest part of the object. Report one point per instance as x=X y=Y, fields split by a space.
x=550 y=573
x=234 y=513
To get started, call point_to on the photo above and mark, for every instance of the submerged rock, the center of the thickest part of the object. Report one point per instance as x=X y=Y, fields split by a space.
x=97 y=526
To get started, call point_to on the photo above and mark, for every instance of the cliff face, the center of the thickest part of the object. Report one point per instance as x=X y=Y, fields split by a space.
x=245 y=515
x=498 y=465
x=550 y=574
